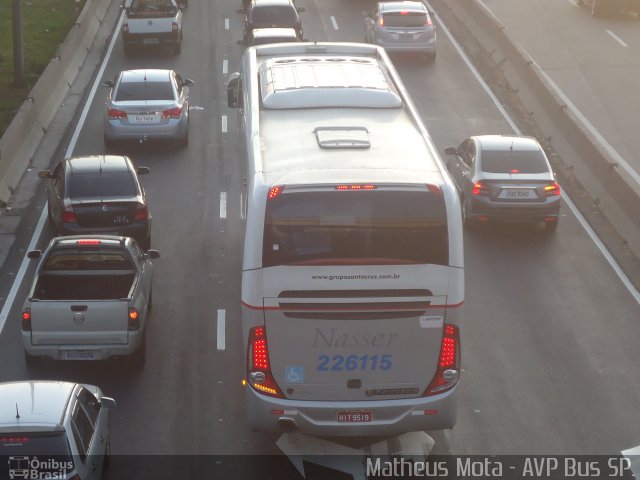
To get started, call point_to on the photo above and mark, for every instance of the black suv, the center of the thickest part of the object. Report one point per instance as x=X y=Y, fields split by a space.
x=272 y=13
x=98 y=194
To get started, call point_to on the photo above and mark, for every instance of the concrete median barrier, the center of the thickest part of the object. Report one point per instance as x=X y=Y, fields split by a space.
x=603 y=173
x=21 y=139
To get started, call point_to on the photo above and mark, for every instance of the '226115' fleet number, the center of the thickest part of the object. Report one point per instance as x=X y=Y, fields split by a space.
x=338 y=363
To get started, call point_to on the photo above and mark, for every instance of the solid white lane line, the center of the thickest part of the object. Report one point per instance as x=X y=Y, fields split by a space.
x=335 y=24
x=617 y=38
x=592 y=234
x=221 y=332
x=226 y=24
x=225 y=66
x=224 y=124
x=17 y=281
x=223 y=204
x=241 y=207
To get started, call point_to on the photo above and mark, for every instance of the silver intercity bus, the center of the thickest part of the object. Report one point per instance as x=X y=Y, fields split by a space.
x=353 y=261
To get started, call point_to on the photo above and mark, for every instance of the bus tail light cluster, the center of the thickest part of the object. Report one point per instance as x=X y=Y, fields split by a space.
x=259 y=375
x=448 y=372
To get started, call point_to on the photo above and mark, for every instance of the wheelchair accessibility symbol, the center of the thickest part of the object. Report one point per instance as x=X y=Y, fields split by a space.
x=294 y=374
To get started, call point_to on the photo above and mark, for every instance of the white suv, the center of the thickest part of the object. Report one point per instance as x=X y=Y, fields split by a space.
x=52 y=429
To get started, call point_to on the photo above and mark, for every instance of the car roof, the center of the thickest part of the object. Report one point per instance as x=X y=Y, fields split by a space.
x=98 y=163
x=148 y=75
x=403 y=5
x=276 y=32
x=41 y=404
x=263 y=3
x=505 y=142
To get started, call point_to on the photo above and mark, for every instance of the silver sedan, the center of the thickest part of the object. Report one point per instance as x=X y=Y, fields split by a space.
x=147 y=105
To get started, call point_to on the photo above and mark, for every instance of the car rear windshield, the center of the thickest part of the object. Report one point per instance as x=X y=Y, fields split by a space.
x=132 y=91
x=146 y=8
x=101 y=185
x=405 y=19
x=84 y=259
x=273 y=16
x=51 y=450
x=356 y=227
x=513 y=161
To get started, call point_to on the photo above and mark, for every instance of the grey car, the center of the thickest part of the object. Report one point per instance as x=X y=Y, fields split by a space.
x=401 y=27
x=149 y=104
x=504 y=178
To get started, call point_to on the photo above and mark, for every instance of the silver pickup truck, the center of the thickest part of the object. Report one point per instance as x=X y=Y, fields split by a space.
x=90 y=300
x=152 y=22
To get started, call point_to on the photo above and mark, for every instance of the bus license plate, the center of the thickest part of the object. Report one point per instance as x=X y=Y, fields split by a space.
x=354 y=417
x=74 y=355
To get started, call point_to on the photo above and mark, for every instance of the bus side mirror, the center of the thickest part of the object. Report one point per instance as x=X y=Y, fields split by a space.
x=233 y=89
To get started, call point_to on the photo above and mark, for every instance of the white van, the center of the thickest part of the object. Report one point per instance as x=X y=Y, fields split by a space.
x=353 y=258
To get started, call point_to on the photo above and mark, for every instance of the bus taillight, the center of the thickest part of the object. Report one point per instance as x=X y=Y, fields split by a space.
x=448 y=372
x=259 y=375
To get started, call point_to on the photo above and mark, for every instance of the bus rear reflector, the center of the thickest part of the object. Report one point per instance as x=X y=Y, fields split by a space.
x=259 y=375
x=448 y=372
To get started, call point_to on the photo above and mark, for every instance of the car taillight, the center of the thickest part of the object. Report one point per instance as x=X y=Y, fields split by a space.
x=69 y=216
x=480 y=188
x=172 y=113
x=428 y=22
x=448 y=371
x=381 y=21
x=125 y=27
x=259 y=375
x=552 y=189
x=134 y=319
x=174 y=27
x=114 y=113
x=142 y=213
x=274 y=192
x=26 y=320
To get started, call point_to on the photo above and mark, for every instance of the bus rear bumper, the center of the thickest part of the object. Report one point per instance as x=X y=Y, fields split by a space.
x=320 y=418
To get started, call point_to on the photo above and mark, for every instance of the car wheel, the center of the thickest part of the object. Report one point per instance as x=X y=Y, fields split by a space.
x=466 y=213
x=50 y=216
x=431 y=57
x=597 y=8
x=31 y=360
x=139 y=356
x=183 y=141
x=107 y=457
x=150 y=302
x=551 y=227
x=109 y=143
x=177 y=48
x=128 y=49
x=146 y=243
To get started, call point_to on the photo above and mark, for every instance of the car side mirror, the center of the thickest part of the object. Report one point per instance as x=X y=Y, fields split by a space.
x=142 y=170
x=45 y=174
x=107 y=83
x=241 y=10
x=34 y=254
x=450 y=151
x=431 y=13
x=187 y=82
x=107 y=402
x=301 y=9
x=233 y=88
x=241 y=42
x=153 y=253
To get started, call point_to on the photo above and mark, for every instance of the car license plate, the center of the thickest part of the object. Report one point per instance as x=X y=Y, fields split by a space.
x=354 y=417
x=79 y=355
x=144 y=118
x=151 y=41
x=121 y=220
x=516 y=193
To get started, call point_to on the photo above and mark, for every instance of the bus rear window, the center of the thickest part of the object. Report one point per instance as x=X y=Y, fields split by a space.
x=374 y=227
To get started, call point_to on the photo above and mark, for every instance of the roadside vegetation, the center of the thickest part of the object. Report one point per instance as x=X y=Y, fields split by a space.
x=45 y=25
